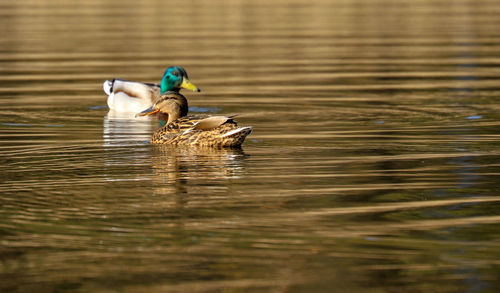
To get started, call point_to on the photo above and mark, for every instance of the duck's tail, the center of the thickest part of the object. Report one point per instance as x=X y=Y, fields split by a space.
x=236 y=136
x=107 y=86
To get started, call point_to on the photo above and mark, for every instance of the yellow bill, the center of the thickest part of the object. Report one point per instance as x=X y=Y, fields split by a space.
x=189 y=86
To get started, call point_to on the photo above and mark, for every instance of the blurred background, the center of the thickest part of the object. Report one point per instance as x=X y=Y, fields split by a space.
x=373 y=165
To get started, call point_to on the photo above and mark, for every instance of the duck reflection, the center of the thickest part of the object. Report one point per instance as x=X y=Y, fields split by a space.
x=170 y=162
x=124 y=129
x=123 y=135
x=175 y=169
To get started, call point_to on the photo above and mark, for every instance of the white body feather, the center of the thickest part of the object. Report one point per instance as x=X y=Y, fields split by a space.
x=238 y=130
x=128 y=96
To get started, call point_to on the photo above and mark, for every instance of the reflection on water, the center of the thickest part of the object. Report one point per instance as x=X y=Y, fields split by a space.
x=124 y=128
x=373 y=165
x=199 y=163
x=177 y=173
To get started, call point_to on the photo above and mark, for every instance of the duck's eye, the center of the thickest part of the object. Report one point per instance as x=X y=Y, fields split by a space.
x=175 y=73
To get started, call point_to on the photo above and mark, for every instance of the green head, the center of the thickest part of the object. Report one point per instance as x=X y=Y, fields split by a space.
x=174 y=79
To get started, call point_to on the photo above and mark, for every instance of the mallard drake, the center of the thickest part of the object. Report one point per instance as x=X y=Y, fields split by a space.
x=131 y=96
x=195 y=130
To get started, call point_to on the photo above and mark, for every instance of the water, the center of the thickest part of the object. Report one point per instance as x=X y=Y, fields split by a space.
x=373 y=165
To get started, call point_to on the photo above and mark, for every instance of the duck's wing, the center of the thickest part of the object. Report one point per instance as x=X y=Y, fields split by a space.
x=145 y=91
x=203 y=123
x=211 y=122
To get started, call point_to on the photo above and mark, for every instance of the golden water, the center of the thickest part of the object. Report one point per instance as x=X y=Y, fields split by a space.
x=373 y=165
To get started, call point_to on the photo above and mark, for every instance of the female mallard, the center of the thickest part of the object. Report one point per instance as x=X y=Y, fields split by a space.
x=199 y=130
x=131 y=96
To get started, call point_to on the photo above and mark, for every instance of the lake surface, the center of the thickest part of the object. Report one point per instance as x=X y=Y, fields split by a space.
x=373 y=165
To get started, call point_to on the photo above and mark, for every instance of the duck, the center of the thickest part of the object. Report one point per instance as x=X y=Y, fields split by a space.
x=194 y=130
x=131 y=96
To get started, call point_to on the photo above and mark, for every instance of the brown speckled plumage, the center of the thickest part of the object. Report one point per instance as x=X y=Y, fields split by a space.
x=183 y=132
x=200 y=130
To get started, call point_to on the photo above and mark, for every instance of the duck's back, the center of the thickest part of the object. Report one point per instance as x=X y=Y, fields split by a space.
x=130 y=96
